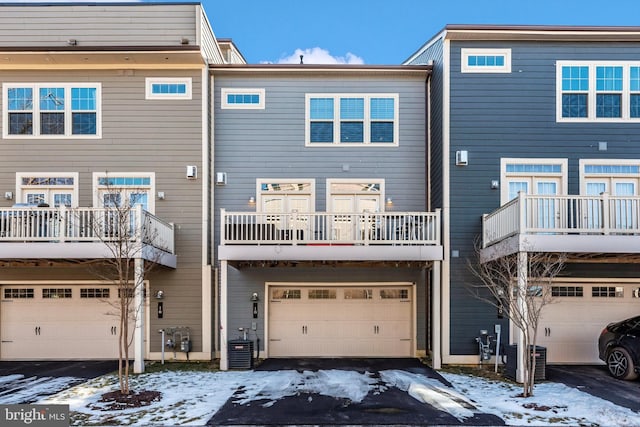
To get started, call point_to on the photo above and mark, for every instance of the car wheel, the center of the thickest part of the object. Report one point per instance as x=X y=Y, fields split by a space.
x=621 y=365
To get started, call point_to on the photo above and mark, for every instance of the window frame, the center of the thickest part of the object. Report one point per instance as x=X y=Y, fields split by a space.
x=593 y=92
x=36 y=110
x=74 y=190
x=225 y=105
x=505 y=177
x=367 y=120
x=609 y=177
x=151 y=81
x=125 y=189
x=465 y=53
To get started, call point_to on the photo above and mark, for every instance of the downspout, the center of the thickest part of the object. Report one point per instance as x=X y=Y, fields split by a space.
x=428 y=137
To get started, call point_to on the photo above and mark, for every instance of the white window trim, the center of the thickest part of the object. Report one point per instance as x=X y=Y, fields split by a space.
x=466 y=52
x=243 y=91
x=36 y=111
x=150 y=81
x=367 y=120
x=504 y=176
x=310 y=181
x=591 y=96
x=20 y=188
x=151 y=208
x=331 y=181
x=585 y=178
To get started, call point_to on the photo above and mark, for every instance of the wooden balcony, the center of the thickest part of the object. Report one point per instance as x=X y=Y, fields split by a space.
x=574 y=224
x=410 y=236
x=82 y=233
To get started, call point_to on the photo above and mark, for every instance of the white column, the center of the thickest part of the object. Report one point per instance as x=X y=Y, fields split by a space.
x=522 y=306
x=436 y=302
x=138 y=337
x=224 y=362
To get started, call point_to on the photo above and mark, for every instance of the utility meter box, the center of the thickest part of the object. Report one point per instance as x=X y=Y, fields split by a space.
x=185 y=345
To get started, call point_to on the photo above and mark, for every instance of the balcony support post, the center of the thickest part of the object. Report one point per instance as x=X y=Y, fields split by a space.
x=224 y=362
x=606 y=214
x=138 y=334
x=523 y=261
x=436 y=347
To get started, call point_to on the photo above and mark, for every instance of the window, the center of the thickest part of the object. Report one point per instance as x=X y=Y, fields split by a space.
x=94 y=293
x=567 y=291
x=394 y=294
x=605 y=91
x=322 y=294
x=485 y=61
x=55 y=293
x=55 y=189
x=131 y=188
x=532 y=176
x=607 y=292
x=51 y=110
x=358 y=293
x=18 y=293
x=351 y=119
x=168 y=88
x=233 y=98
x=285 y=294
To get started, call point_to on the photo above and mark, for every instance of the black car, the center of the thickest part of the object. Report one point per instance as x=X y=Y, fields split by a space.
x=619 y=347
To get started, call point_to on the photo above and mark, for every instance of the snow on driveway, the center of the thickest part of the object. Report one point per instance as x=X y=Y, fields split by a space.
x=19 y=389
x=192 y=398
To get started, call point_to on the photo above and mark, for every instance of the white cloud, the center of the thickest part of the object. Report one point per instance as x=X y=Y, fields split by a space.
x=317 y=55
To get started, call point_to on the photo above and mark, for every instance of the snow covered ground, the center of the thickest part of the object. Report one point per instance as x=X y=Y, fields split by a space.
x=192 y=398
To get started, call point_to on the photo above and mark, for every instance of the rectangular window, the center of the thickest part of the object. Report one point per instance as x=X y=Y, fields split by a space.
x=94 y=293
x=322 y=294
x=285 y=294
x=567 y=291
x=121 y=189
x=56 y=293
x=394 y=293
x=607 y=292
x=597 y=91
x=358 y=294
x=485 y=60
x=242 y=99
x=18 y=293
x=168 y=88
x=351 y=119
x=60 y=110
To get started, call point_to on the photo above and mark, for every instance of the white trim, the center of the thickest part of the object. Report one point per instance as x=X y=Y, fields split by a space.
x=504 y=176
x=151 y=207
x=225 y=105
x=625 y=102
x=607 y=177
x=150 y=81
x=35 y=111
x=20 y=188
x=366 y=120
x=445 y=326
x=465 y=53
x=207 y=301
x=329 y=193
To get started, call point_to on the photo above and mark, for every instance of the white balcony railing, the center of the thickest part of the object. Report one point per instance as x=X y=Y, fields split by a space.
x=330 y=228
x=594 y=215
x=34 y=224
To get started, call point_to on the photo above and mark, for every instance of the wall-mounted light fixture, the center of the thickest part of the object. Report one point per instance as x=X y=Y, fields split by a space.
x=252 y=200
x=462 y=158
x=159 y=294
x=72 y=42
x=184 y=40
x=254 y=297
x=495 y=184
x=161 y=195
x=192 y=172
x=8 y=195
x=389 y=201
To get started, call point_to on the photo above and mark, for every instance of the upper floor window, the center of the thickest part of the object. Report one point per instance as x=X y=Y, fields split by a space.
x=351 y=119
x=485 y=61
x=168 y=88
x=51 y=110
x=608 y=91
x=234 y=98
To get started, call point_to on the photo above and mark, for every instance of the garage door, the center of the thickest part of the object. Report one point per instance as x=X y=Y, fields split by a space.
x=570 y=327
x=358 y=321
x=58 y=322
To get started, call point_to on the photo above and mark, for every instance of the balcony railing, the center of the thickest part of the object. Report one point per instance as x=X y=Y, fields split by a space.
x=330 y=228
x=593 y=215
x=35 y=224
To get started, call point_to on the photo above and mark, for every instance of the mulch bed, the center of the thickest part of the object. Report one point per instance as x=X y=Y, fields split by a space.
x=116 y=400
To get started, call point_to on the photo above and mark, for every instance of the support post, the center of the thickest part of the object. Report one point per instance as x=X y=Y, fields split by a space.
x=224 y=362
x=521 y=372
x=138 y=338
x=436 y=356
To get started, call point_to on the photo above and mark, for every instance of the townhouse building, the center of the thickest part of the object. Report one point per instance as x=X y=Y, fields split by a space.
x=535 y=137
x=97 y=111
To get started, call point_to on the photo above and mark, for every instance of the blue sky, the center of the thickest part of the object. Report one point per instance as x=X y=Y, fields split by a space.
x=381 y=31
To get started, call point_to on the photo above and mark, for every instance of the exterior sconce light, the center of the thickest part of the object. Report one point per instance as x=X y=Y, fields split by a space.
x=159 y=295
x=72 y=42
x=495 y=184
x=161 y=195
x=462 y=158
x=252 y=200
x=8 y=195
x=254 y=297
x=389 y=201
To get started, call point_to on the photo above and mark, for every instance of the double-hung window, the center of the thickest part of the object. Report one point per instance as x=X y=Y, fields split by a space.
x=606 y=91
x=51 y=110
x=351 y=119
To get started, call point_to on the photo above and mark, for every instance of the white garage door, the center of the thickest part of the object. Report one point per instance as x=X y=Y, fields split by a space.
x=570 y=327
x=325 y=321
x=58 y=322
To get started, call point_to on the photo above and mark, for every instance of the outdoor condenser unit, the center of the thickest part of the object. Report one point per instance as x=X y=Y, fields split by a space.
x=512 y=362
x=240 y=354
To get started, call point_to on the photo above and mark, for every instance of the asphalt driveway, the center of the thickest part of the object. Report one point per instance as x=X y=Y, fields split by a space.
x=29 y=381
x=595 y=380
x=392 y=406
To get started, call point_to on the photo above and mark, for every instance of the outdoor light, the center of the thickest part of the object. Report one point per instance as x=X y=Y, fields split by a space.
x=252 y=200
x=389 y=201
x=8 y=195
x=254 y=297
x=159 y=294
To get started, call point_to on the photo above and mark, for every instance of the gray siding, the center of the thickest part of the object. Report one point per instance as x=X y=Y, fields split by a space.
x=98 y=25
x=514 y=115
x=138 y=135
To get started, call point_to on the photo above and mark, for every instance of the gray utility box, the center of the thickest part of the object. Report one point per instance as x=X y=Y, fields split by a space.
x=240 y=354
x=512 y=362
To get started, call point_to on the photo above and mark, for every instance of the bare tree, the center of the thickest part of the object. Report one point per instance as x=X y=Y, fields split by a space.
x=124 y=229
x=521 y=297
